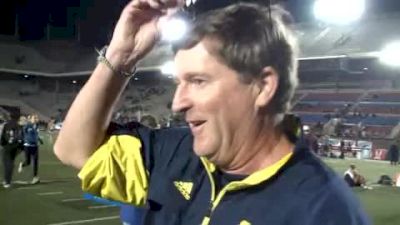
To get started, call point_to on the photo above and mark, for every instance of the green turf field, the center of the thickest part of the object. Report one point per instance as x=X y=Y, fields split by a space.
x=381 y=203
x=57 y=200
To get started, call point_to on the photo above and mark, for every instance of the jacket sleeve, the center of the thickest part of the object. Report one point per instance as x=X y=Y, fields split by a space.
x=119 y=169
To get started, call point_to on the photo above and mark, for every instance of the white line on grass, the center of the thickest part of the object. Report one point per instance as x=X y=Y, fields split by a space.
x=29 y=187
x=86 y=221
x=74 y=200
x=51 y=193
x=51 y=163
x=20 y=182
x=101 y=206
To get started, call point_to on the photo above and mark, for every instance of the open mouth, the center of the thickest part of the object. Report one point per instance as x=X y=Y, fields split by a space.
x=196 y=125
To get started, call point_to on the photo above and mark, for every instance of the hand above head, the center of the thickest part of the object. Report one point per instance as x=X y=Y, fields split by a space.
x=137 y=31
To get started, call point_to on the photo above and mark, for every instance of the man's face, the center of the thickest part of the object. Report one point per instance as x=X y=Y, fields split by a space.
x=218 y=107
x=34 y=119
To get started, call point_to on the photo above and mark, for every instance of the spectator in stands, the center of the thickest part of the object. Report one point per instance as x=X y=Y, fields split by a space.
x=11 y=141
x=31 y=146
x=393 y=154
x=236 y=76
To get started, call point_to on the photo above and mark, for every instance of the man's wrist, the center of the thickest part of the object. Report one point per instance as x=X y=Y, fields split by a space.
x=118 y=61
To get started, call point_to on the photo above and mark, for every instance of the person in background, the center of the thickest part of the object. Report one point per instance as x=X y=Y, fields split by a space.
x=31 y=146
x=11 y=141
x=393 y=155
x=354 y=179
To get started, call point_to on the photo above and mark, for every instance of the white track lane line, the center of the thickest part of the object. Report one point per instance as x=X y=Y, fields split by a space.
x=86 y=221
x=50 y=193
x=29 y=187
x=73 y=200
x=101 y=206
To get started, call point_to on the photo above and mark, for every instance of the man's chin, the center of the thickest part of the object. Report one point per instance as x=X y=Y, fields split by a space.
x=201 y=152
x=210 y=156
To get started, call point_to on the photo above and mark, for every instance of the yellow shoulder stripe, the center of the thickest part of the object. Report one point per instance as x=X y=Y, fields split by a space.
x=116 y=171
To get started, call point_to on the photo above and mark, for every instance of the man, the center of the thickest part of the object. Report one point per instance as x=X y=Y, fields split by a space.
x=11 y=141
x=31 y=146
x=236 y=74
x=393 y=155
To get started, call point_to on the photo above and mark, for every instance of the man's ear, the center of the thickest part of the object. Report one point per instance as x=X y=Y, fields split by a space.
x=268 y=85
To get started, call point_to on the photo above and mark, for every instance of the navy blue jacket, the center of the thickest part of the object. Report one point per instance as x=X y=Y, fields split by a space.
x=304 y=191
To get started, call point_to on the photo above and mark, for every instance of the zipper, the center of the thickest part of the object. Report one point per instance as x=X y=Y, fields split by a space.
x=211 y=207
x=215 y=200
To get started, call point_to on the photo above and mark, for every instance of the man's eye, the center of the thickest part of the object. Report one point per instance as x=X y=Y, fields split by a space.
x=198 y=81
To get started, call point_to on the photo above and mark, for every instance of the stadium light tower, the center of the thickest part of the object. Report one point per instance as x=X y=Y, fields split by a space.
x=173 y=29
x=338 y=12
x=390 y=54
x=168 y=68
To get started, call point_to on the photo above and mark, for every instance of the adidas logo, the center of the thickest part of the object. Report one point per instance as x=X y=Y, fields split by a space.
x=185 y=188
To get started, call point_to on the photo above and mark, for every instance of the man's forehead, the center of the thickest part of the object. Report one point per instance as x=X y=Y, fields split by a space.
x=192 y=58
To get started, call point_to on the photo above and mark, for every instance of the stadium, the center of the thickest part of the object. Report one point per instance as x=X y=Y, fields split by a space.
x=348 y=99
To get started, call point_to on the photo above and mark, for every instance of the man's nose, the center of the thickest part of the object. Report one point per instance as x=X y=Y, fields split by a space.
x=181 y=101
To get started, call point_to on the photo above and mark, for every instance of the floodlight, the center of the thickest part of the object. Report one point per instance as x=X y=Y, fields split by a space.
x=190 y=2
x=168 y=68
x=390 y=54
x=173 y=29
x=339 y=11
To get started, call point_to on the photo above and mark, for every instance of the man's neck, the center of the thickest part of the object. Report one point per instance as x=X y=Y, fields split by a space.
x=259 y=152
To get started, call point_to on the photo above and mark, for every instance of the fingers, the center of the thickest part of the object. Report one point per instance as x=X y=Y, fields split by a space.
x=160 y=5
x=173 y=3
x=155 y=4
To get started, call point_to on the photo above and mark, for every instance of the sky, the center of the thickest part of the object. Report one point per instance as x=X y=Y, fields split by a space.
x=96 y=18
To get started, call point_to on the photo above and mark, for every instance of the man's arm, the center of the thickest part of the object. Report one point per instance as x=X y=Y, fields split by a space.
x=85 y=125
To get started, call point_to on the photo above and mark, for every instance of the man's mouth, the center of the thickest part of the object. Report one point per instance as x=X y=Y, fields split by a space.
x=196 y=125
